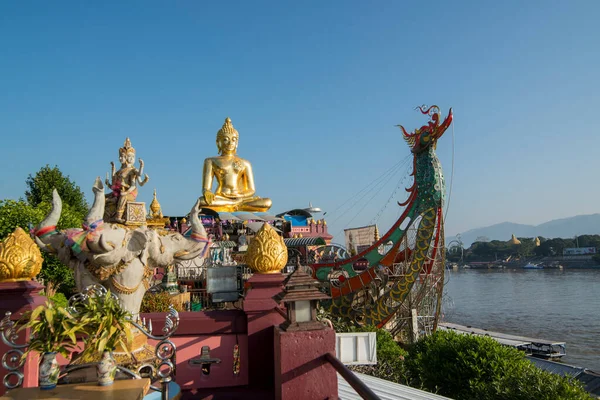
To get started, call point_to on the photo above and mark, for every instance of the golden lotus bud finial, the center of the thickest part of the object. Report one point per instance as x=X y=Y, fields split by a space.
x=20 y=257
x=267 y=253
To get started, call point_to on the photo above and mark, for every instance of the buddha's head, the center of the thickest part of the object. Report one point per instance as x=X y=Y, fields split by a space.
x=127 y=154
x=227 y=138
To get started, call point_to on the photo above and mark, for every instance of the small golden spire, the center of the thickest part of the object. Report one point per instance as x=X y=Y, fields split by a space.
x=537 y=242
x=20 y=257
x=155 y=207
x=267 y=253
x=514 y=240
x=376 y=237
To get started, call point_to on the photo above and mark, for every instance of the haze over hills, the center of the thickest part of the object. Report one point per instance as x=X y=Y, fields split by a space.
x=564 y=227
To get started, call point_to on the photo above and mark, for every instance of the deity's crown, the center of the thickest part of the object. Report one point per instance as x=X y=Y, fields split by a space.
x=227 y=128
x=127 y=148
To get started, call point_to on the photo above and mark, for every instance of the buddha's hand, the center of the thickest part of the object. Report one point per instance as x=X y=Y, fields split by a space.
x=209 y=197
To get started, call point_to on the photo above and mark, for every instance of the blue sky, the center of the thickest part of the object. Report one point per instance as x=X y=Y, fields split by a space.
x=315 y=89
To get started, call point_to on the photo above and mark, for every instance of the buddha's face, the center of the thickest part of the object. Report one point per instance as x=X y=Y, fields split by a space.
x=227 y=144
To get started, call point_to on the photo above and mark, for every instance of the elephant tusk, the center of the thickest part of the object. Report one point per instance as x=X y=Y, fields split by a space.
x=189 y=255
x=181 y=253
x=43 y=246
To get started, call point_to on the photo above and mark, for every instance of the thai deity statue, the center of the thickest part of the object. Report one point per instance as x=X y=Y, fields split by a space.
x=235 y=181
x=123 y=183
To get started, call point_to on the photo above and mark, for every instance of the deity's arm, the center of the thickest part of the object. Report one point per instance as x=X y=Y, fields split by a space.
x=139 y=174
x=207 y=175
x=112 y=175
x=207 y=179
x=248 y=178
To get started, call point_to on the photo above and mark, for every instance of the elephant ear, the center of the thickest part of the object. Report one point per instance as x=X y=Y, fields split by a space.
x=137 y=242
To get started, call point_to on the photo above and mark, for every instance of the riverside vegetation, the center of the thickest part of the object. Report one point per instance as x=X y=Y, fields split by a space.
x=463 y=367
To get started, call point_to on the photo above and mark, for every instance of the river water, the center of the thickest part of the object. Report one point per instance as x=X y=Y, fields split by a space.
x=548 y=304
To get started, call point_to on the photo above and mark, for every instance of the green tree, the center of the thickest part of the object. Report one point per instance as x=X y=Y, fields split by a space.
x=15 y=214
x=26 y=214
x=39 y=189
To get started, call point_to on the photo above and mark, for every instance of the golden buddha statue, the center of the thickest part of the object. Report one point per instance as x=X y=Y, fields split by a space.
x=235 y=181
x=123 y=183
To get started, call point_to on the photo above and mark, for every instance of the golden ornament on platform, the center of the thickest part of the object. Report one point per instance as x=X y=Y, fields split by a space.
x=514 y=240
x=20 y=257
x=267 y=253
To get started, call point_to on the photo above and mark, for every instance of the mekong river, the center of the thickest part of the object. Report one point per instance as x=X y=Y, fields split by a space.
x=548 y=304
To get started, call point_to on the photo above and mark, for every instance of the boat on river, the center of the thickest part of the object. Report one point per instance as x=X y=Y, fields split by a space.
x=533 y=266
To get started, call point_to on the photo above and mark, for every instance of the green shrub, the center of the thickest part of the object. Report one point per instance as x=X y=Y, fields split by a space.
x=472 y=367
x=59 y=300
x=156 y=302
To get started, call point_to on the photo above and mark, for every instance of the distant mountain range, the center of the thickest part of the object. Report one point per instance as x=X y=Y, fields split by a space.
x=564 y=228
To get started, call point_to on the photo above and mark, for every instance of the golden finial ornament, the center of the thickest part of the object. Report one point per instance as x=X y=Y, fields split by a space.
x=127 y=147
x=537 y=242
x=514 y=240
x=267 y=253
x=376 y=234
x=155 y=209
x=20 y=257
x=227 y=128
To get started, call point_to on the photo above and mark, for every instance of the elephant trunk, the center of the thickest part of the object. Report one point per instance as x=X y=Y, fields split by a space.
x=199 y=238
x=197 y=226
x=96 y=213
x=54 y=216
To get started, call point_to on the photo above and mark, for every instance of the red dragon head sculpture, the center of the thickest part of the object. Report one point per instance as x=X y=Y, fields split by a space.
x=427 y=135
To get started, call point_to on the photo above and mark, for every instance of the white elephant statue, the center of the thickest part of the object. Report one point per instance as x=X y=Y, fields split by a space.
x=120 y=258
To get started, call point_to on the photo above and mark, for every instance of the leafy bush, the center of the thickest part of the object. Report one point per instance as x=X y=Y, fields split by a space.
x=59 y=300
x=52 y=329
x=472 y=367
x=106 y=324
x=157 y=302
